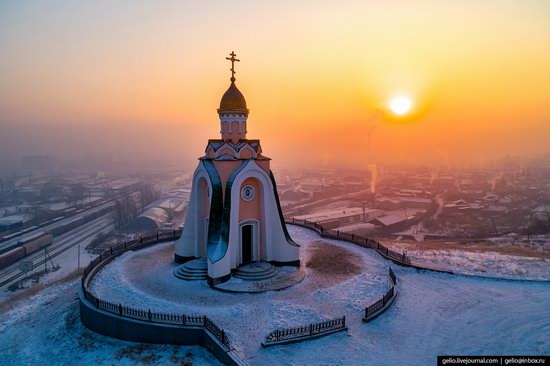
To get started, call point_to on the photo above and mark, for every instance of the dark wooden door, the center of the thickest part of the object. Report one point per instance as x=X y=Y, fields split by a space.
x=247 y=243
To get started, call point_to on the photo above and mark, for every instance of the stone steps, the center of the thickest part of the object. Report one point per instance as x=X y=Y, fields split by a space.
x=196 y=269
x=258 y=271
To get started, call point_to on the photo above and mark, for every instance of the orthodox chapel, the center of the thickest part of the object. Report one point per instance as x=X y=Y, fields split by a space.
x=234 y=216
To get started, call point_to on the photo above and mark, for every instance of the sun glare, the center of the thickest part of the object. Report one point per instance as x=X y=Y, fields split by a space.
x=400 y=105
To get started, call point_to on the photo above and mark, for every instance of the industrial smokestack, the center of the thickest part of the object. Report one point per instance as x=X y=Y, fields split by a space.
x=373 y=177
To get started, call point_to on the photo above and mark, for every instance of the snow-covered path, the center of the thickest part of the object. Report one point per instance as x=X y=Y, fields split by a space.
x=434 y=314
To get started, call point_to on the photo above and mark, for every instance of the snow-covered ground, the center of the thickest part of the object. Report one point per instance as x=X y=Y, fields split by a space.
x=499 y=260
x=46 y=330
x=434 y=314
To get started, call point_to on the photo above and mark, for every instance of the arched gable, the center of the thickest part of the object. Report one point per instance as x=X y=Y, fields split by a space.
x=247 y=152
x=277 y=248
x=188 y=243
x=226 y=150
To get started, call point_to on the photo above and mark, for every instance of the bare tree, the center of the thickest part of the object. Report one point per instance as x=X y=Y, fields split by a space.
x=148 y=194
x=125 y=210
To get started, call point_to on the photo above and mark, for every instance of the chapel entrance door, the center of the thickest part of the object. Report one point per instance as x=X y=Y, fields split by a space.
x=246 y=243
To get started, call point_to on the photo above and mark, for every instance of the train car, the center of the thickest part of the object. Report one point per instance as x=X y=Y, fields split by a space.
x=11 y=256
x=56 y=230
x=63 y=227
x=77 y=221
x=36 y=242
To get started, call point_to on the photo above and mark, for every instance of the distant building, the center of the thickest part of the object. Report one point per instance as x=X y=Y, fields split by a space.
x=151 y=219
x=387 y=220
x=12 y=222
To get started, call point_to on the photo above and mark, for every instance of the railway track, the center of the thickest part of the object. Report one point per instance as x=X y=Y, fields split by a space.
x=58 y=246
x=56 y=243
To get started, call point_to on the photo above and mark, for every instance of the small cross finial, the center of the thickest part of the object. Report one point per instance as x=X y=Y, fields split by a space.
x=232 y=59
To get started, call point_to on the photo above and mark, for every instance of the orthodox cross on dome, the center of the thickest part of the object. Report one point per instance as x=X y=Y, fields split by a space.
x=232 y=59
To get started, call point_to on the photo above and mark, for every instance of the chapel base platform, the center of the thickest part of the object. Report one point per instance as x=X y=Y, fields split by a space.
x=262 y=276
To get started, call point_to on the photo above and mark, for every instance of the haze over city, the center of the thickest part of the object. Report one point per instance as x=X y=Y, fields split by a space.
x=103 y=78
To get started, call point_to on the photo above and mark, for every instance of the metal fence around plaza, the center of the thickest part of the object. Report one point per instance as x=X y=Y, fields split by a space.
x=400 y=258
x=380 y=304
x=306 y=331
x=147 y=315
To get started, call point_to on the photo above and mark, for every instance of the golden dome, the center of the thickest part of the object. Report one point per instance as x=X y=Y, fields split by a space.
x=233 y=101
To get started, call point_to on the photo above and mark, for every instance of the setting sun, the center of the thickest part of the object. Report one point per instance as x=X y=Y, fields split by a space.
x=400 y=105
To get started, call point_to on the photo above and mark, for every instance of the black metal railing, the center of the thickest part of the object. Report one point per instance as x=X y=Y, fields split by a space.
x=147 y=315
x=392 y=277
x=372 y=309
x=356 y=239
x=306 y=330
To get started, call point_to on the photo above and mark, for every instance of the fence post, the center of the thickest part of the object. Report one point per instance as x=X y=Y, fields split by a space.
x=337 y=232
x=96 y=302
x=311 y=329
x=174 y=233
x=125 y=244
x=344 y=321
x=111 y=250
x=100 y=257
x=141 y=239
x=278 y=329
x=149 y=315
x=183 y=322
x=223 y=336
x=204 y=320
x=119 y=309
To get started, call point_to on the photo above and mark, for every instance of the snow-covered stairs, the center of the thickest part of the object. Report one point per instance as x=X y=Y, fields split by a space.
x=257 y=271
x=196 y=269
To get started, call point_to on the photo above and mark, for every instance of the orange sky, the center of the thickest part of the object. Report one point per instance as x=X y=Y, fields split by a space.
x=316 y=75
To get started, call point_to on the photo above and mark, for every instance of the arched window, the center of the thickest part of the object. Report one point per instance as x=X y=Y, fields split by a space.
x=234 y=126
x=225 y=127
